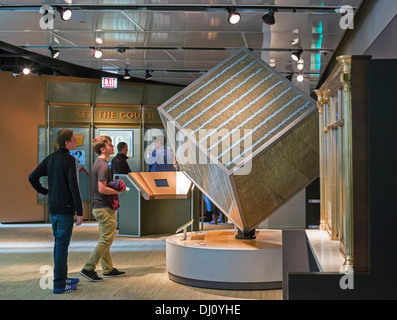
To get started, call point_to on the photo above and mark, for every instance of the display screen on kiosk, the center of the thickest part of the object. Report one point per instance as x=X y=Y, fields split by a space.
x=161 y=183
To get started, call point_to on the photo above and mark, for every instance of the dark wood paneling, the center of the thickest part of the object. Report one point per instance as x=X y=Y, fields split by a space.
x=359 y=91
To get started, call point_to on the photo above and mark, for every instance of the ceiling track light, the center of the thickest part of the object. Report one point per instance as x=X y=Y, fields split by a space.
x=126 y=75
x=269 y=17
x=234 y=17
x=148 y=75
x=97 y=53
x=289 y=76
x=300 y=77
x=296 y=55
x=65 y=13
x=98 y=40
x=121 y=50
x=26 y=71
x=54 y=53
x=300 y=66
x=210 y=7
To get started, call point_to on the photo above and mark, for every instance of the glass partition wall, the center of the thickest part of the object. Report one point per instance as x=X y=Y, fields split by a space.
x=128 y=114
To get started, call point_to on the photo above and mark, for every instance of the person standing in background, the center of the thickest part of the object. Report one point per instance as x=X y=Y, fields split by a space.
x=64 y=200
x=161 y=159
x=120 y=166
x=119 y=162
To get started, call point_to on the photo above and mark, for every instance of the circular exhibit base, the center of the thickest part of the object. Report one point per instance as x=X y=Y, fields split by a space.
x=217 y=260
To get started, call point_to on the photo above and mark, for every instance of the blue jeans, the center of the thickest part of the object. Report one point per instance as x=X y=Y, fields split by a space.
x=62 y=227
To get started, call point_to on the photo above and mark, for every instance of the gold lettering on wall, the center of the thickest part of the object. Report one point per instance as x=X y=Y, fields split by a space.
x=83 y=114
x=123 y=115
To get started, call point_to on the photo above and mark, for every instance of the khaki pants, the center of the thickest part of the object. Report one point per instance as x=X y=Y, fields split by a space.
x=106 y=218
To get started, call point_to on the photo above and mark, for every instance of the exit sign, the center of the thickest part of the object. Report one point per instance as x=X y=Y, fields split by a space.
x=109 y=83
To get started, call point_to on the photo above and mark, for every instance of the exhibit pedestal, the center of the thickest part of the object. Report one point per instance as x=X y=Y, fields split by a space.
x=216 y=259
x=148 y=208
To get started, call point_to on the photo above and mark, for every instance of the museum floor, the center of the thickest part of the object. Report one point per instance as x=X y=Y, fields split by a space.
x=26 y=249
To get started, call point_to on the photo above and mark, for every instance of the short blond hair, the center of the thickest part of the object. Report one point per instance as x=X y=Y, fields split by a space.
x=100 y=142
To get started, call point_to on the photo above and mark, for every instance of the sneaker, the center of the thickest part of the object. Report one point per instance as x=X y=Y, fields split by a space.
x=72 y=281
x=114 y=273
x=67 y=288
x=90 y=275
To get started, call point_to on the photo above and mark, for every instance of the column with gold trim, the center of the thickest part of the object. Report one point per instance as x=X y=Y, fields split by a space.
x=345 y=62
x=320 y=105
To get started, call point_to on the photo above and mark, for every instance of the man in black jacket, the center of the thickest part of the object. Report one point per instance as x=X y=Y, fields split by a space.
x=119 y=162
x=120 y=165
x=64 y=200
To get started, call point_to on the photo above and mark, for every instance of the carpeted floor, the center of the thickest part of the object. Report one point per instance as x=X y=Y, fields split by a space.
x=26 y=265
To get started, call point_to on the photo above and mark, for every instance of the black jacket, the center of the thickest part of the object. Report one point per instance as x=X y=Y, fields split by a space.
x=63 y=188
x=120 y=165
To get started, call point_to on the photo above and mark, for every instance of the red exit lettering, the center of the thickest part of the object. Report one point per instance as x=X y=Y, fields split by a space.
x=109 y=83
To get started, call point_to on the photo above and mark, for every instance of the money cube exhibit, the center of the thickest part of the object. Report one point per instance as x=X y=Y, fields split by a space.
x=246 y=136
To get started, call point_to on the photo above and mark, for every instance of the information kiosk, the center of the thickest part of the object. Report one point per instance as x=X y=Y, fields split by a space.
x=156 y=203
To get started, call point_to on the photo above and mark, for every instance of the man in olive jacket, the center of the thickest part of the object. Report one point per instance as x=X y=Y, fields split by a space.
x=64 y=200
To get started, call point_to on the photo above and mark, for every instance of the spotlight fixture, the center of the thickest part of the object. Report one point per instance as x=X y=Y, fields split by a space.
x=300 y=77
x=98 y=40
x=148 y=75
x=234 y=17
x=300 y=65
x=296 y=55
x=126 y=75
x=97 y=53
x=121 y=50
x=26 y=71
x=65 y=13
x=54 y=53
x=289 y=76
x=269 y=17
